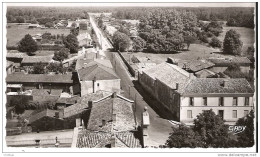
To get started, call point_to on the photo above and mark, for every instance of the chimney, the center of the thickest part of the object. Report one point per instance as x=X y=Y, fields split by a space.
x=114 y=95
x=57 y=114
x=177 y=86
x=113 y=141
x=103 y=122
x=225 y=83
x=170 y=60
x=90 y=104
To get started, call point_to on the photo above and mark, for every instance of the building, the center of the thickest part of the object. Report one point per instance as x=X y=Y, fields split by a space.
x=29 y=61
x=33 y=26
x=10 y=67
x=41 y=81
x=111 y=124
x=84 y=40
x=16 y=57
x=221 y=64
x=37 y=37
x=185 y=96
x=46 y=120
x=95 y=76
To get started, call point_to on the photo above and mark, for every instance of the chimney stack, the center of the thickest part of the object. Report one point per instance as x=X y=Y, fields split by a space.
x=114 y=95
x=113 y=141
x=57 y=114
x=103 y=122
x=177 y=86
x=90 y=104
x=114 y=118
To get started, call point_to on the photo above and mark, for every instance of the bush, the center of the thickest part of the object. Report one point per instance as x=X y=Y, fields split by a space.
x=232 y=43
x=28 y=45
x=215 y=43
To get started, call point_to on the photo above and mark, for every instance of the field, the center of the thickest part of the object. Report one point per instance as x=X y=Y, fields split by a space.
x=246 y=36
x=16 y=32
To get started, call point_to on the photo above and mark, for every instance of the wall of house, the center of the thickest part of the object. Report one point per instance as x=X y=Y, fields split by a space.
x=213 y=103
x=218 y=69
x=106 y=85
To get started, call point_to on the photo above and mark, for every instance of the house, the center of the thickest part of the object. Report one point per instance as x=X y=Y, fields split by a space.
x=16 y=57
x=229 y=98
x=184 y=96
x=111 y=124
x=37 y=37
x=29 y=61
x=46 y=120
x=42 y=81
x=83 y=63
x=204 y=73
x=221 y=64
x=84 y=40
x=10 y=67
x=96 y=76
x=33 y=26
x=80 y=108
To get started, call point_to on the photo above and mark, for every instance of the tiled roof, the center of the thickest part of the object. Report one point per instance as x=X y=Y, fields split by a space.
x=44 y=113
x=169 y=74
x=204 y=73
x=194 y=65
x=105 y=109
x=215 y=85
x=229 y=60
x=40 y=78
x=16 y=54
x=82 y=103
x=83 y=63
x=97 y=71
x=37 y=59
x=88 y=139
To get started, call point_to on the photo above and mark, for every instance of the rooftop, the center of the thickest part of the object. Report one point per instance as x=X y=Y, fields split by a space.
x=228 y=60
x=97 y=72
x=194 y=65
x=215 y=86
x=88 y=139
x=112 y=114
x=41 y=78
x=86 y=62
x=82 y=103
x=204 y=73
x=37 y=59
x=44 y=113
x=15 y=54
x=169 y=74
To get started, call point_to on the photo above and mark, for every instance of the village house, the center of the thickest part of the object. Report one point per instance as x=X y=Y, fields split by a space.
x=185 y=96
x=16 y=57
x=221 y=64
x=41 y=81
x=33 y=26
x=10 y=67
x=111 y=124
x=97 y=75
x=84 y=40
x=28 y=62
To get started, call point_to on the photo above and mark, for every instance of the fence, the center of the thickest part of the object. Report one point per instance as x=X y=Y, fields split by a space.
x=129 y=67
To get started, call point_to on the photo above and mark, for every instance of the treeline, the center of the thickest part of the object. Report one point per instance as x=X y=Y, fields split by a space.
x=236 y=16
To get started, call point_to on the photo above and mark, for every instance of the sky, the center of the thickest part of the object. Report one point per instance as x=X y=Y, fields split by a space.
x=219 y=4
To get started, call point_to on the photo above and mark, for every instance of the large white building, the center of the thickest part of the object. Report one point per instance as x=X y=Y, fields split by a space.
x=183 y=96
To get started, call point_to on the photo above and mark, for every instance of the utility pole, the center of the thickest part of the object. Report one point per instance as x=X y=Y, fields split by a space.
x=129 y=91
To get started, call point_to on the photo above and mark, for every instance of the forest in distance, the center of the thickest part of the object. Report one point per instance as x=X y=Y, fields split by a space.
x=235 y=16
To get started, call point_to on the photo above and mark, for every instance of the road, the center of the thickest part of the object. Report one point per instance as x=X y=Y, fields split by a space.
x=159 y=128
x=102 y=40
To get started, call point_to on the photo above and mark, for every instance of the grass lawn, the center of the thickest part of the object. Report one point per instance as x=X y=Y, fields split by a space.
x=246 y=36
x=16 y=32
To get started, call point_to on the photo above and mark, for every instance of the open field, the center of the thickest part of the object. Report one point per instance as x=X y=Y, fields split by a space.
x=195 y=51
x=246 y=36
x=16 y=32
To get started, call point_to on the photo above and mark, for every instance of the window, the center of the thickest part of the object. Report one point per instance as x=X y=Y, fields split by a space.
x=98 y=84
x=205 y=101
x=234 y=114
x=221 y=113
x=189 y=114
x=246 y=112
x=191 y=101
x=246 y=101
x=234 y=101
x=221 y=101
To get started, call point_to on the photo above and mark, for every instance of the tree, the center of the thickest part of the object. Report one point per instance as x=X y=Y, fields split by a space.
x=215 y=43
x=55 y=67
x=73 y=25
x=74 y=31
x=61 y=54
x=138 y=44
x=121 y=41
x=38 y=68
x=246 y=138
x=212 y=130
x=49 y=24
x=189 y=40
x=20 y=19
x=100 y=23
x=71 y=42
x=183 y=136
x=19 y=103
x=28 y=45
x=124 y=30
x=83 y=26
x=232 y=43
